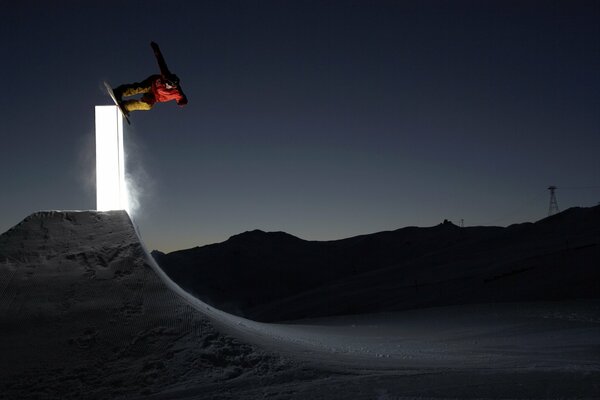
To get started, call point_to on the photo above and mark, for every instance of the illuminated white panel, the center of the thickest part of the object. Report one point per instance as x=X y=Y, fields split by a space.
x=111 y=192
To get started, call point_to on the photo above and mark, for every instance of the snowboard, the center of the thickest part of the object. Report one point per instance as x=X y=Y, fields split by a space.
x=164 y=70
x=110 y=92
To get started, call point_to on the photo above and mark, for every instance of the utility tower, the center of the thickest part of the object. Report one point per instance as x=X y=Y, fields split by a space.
x=553 y=209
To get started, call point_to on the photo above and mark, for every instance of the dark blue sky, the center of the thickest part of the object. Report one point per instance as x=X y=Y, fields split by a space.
x=325 y=119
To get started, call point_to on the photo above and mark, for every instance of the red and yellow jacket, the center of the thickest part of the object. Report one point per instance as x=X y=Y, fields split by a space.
x=163 y=94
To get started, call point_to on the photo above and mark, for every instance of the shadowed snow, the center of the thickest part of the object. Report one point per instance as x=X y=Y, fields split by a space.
x=86 y=313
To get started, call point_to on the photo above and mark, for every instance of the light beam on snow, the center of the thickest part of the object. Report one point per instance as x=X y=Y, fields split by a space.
x=111 y=190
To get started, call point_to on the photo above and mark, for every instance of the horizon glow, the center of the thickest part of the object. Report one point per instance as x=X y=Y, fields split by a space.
x=111 y=190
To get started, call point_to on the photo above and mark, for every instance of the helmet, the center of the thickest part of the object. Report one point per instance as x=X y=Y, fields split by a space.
x=171 y=81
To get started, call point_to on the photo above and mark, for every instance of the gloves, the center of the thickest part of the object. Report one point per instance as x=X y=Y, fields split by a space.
x=182 y=102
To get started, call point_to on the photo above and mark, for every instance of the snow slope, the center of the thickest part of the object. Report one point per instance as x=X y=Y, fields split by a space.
x=85 y=313
x=82 y=315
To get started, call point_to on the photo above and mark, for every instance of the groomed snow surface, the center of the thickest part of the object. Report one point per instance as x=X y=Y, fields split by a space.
x=86 y=313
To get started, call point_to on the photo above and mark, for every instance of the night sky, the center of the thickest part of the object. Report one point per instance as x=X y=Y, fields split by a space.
x=324 y=119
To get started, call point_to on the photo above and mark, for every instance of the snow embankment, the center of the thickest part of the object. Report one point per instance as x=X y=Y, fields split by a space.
x=82 y=315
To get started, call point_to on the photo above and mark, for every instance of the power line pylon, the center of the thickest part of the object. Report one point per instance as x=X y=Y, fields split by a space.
x=553 y=209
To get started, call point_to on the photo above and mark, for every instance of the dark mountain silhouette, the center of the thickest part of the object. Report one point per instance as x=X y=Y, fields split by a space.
x=272 y=276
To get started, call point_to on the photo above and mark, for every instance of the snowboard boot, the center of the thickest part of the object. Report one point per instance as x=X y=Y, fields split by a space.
x=118 y=92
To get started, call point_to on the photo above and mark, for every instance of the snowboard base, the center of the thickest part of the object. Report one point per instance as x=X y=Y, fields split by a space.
x=111 y=93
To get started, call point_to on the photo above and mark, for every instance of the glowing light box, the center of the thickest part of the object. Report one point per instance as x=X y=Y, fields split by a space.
x=111 y=192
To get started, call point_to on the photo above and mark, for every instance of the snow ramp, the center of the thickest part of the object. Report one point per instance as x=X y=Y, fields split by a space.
x=85 y=313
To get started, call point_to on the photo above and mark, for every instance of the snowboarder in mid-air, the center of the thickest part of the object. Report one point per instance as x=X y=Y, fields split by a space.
x=154 y=89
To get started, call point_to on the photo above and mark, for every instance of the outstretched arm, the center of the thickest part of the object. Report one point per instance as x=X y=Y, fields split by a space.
x=164 y=70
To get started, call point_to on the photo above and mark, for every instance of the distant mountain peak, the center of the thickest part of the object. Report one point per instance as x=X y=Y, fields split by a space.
x=447 y=223
x=259 y=235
